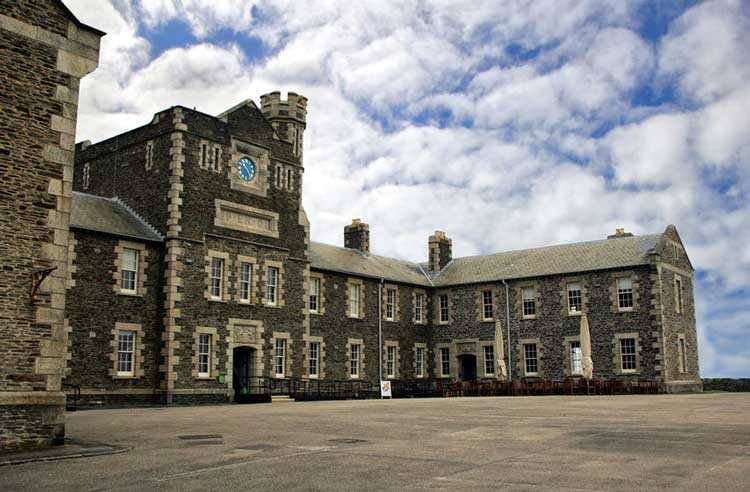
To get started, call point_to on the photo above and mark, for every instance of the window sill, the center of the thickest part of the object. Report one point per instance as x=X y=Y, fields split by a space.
x=274 y=306
x=203 y=378
x=128 y=294
x=625 y=310
x=317 y=313
x=444 y=322
x=532 y=316
x=215 y=299
x=576 y=313
x=531 y=375
x=354 y=317
x=353 y=377
x=126 y=377
x=488 y=320
x=630 y=372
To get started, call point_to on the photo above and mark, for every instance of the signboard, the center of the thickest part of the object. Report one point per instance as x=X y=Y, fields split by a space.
x=385 y=389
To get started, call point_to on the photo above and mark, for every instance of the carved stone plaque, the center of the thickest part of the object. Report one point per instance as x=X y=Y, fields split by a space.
x=466 y=348
x=246 y=334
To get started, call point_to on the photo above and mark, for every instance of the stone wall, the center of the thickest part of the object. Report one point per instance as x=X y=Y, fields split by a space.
x=726 y=384
x=94 y=310
x=44 y=52
x=336 y=328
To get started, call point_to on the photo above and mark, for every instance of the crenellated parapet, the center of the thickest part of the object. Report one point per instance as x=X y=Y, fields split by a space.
x=288 y=117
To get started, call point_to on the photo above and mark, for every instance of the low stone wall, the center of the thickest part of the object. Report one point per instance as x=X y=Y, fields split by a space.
x=26 y=427
x=726 y=384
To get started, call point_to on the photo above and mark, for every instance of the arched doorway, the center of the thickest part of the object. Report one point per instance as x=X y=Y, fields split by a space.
x=467 y=367
x=242 y=367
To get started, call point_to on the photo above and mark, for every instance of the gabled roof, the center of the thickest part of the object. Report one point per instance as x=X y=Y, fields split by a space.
x=352 y=261
x=109 y=215
x=77 y=22
x=527 y=263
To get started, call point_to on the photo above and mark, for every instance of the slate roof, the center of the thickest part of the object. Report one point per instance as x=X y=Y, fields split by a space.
x=110 y=215
x=527 y=263
x=351 y=261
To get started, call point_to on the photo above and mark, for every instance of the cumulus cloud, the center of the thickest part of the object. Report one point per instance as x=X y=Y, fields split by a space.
x=508 y=126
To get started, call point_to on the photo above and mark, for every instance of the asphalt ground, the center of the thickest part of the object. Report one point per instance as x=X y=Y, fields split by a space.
x=638 y=442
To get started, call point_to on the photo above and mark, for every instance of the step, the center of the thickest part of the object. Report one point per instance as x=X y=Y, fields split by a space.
x=281 y=399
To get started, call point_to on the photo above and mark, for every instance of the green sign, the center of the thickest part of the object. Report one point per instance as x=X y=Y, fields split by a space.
x=221 y=378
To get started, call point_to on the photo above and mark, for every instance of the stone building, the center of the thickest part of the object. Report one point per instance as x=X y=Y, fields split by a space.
x=183 y=266
x=44 y=53
x=192 y=269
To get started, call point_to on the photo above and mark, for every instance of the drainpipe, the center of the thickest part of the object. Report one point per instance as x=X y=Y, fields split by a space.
x=507 y=327
x=380 y=334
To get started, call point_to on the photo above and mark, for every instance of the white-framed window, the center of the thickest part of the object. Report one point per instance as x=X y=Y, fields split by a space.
x=280 y=358
x=625 y=293
x=680 y=307
x=682 y=354
x=489 y=360
x=531 y=363
x=313 y=359
x=487 y=304
x=528 y=295
x=419 y=362
x=354 y=300
x=445 y=362
x=390 y=362
x=217 y=278
x=576 y=358
x=354 y=352
x=129 y=271
x=314 y=292
x=273 y=283
x=390 y=299
x=628 y=355
x=246 y=273
x=125 y=353
x=575 y=300
x=443 y=305
x=204 y=355
x=418 y=307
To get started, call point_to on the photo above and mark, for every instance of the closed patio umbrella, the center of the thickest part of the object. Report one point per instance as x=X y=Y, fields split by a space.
x=502 y=372
x=587 y=365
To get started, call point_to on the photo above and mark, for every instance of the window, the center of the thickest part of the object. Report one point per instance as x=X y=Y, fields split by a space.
x=149 y=156
x=273 y=282
x=576 y=358
x=625 y=293
x=390 y=362
x=217 y=277
x=390 y=297
x=314 y=288
x=204 y=356
x=489 y=360
x=125 y=351
x=445 y=362
x=682 y=354
x=203 y=156
x=354 y=301
x=288 y=179
x=246 y=271
x=313 y=359
x=419 y=362
x=418 y=307
x=280 y=357
x=216 y=159
x=627 y=354
x=129 y=274
x=86 y=175
x=574 y=297
x=679 y=307
x=487 y=304
x=531 y=365
x=443 y=308
x=354 y=361
x=529 y=301
x=278 y=176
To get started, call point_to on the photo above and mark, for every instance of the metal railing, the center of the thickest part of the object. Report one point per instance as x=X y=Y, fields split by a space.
x=71 y=405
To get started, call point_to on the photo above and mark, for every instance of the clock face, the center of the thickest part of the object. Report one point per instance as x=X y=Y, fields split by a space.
x=246 y=169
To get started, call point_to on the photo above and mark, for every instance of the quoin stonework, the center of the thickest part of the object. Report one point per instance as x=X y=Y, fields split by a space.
x=44 y=53
x=185 y=269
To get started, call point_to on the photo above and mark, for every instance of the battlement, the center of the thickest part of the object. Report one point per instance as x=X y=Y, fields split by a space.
x=294 y=107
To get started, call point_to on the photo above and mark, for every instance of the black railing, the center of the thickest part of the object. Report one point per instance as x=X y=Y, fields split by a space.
x=71 y=404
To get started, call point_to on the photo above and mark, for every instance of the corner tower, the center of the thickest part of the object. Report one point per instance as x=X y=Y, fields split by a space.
x=289 y=118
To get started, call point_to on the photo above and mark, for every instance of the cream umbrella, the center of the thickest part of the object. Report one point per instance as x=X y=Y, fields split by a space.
x=587 y=365
x=502 y=372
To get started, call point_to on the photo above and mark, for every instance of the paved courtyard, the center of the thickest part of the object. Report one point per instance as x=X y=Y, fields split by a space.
x=685 y=442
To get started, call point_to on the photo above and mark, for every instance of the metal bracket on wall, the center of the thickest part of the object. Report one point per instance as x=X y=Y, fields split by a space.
x=37 y=277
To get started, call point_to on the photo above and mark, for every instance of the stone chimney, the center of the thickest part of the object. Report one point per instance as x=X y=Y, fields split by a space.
x=441 y=251
x=620 y=232
x=357 y=236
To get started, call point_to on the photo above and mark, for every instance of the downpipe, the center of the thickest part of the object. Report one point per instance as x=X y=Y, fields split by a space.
x=507 y=328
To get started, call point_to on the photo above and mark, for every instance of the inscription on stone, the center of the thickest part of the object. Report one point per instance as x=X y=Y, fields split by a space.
x=245 y=334
x=242 y=220
x=466 y=348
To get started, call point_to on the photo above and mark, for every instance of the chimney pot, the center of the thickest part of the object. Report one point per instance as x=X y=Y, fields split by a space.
x=440 y=251
x=357 y=236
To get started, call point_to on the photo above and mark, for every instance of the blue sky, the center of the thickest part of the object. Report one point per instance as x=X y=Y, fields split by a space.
x=508 y=124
